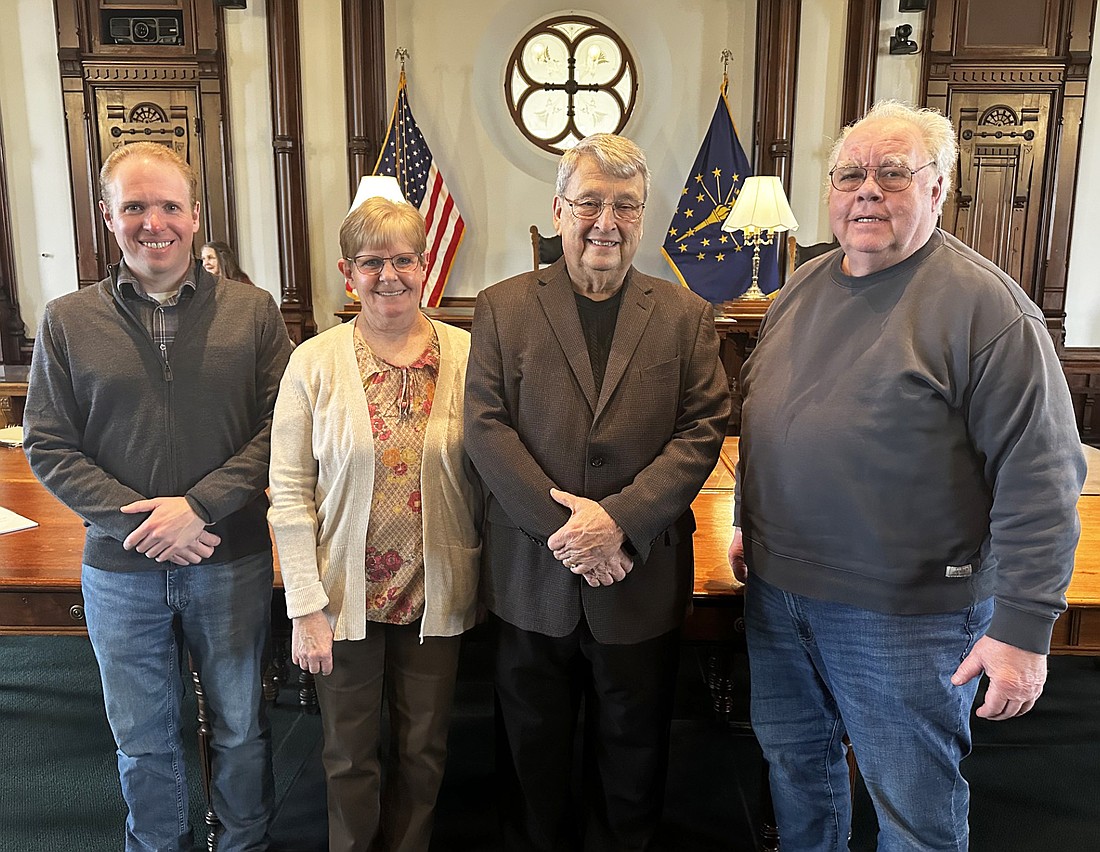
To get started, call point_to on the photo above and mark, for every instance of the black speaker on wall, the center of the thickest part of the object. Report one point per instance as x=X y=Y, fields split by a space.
x=913 y=5
x=231 y=4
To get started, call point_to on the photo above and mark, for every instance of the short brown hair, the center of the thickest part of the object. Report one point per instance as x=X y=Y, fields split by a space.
x=149 y=151
x=377 y=222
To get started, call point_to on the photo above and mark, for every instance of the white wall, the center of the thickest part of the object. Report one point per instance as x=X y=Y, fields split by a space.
x=898 y=77
x=248 y=92
x=1083 y=284
x=822 y=31
x=36 y=157
x=326 y=159
x=501 y=182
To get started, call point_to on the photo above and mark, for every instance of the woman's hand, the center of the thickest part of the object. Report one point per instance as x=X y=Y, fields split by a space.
x=311 y=643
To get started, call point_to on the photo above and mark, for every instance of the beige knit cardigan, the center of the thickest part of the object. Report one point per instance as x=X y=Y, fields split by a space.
x=322 y=479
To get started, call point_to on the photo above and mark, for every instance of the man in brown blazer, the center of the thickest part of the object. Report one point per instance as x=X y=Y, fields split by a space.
x=596 y=406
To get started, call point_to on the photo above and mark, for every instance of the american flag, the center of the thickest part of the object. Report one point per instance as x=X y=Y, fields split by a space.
x=405 y=155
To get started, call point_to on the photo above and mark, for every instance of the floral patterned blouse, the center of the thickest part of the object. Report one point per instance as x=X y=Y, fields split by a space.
x=399 y=400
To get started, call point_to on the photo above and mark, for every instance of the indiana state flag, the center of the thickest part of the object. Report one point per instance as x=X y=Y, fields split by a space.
x=715 y=264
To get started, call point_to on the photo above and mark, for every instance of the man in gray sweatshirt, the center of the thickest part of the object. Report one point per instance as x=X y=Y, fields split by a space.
x=907 y=489
x=149 y=415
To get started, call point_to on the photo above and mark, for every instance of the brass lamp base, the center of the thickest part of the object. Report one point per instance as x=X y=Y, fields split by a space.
x=754 y=293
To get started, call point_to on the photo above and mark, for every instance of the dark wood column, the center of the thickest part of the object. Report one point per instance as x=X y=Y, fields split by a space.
x=290 y=183
x=364 y=85
x=860 y=56
x=777 y=23
x=14 y=347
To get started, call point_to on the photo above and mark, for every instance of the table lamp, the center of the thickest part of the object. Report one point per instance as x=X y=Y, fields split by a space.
x=761 y=211
x=372 y=185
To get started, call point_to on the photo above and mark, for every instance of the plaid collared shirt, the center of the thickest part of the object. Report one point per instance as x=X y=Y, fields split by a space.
x=160 y=318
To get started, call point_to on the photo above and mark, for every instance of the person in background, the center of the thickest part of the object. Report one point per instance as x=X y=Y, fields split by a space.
x=375 y=510
x=218 y=259
x=906 y=501
x=596 y=407
x=149 y=415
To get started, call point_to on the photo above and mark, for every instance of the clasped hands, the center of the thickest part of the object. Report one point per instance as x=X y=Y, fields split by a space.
x=172 y=532
x=590 y=543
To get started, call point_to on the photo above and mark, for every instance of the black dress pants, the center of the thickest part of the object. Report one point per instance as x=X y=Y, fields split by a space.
x=628 y=693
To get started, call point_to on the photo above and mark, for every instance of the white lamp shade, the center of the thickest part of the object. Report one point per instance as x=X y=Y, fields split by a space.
x=761 y=206
x=372 y=185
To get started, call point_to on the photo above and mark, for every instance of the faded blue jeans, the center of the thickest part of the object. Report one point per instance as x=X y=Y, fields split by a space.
x=141 y=624
x=821 y=670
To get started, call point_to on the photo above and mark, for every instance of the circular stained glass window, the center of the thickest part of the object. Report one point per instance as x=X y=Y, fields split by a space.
x=567 y=78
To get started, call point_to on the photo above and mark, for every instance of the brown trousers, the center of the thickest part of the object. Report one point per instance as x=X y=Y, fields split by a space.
x=418 y=682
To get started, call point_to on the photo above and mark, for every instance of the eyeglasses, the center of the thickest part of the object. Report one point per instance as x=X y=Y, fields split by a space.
x=368 y=264
x=589 y=209
x=888 y=178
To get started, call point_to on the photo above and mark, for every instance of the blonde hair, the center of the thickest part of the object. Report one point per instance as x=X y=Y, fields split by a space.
x=617 y=157
x=378 y=222
x=149 y=151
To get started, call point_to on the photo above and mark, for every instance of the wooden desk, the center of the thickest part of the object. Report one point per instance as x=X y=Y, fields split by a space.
x=1077 y=631
x=40 y=568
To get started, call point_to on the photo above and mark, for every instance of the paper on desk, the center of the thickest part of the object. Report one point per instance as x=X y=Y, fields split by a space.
x=11 y=522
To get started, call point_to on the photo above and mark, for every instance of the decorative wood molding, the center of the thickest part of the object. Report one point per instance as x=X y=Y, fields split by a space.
x=998 y=75
x=94 y=72
x=860 y=58
x=364 y=86
x=290 y=185
x=777 y=24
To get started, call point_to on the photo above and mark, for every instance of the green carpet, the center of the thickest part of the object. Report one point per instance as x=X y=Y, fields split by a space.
x=1035 y=781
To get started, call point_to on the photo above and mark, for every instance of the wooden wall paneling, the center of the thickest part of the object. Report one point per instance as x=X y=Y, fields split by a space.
x=290 y=185
x=364 y=85
x=860 y=58
x=113 y=94
x=73 y=36
x=777 y=24
x=223 y=137
x=1082 y=16
x=1064 y=156
x=14 y=348
x=1016 y=96
x=1004 y=137
x=999 y=28
x=1082 y=368
x=939 y=22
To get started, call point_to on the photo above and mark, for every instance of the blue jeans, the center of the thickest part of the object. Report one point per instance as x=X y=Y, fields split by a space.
x=141 y=624
x=821 y=670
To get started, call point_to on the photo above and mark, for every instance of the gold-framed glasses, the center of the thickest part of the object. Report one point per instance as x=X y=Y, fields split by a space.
x=369 y=264
x=888 y=178
x=589 y=209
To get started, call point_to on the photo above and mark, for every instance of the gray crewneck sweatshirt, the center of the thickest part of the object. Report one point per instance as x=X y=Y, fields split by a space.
x=909 y=445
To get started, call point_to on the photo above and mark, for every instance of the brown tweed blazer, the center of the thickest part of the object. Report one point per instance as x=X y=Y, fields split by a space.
x=643 y=448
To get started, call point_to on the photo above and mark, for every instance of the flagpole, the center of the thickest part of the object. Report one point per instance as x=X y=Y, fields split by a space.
x=401 y=54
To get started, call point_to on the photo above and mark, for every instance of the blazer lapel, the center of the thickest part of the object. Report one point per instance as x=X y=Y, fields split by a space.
x=555 y=294
x=634 y=313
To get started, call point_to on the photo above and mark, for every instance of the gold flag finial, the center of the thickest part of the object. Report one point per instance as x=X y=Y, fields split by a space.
x=401 y=54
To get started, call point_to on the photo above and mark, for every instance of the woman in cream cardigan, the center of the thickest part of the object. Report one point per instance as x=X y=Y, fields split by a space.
x=374 y=508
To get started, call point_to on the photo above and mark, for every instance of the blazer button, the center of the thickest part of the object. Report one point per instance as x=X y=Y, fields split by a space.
x=596 y=461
